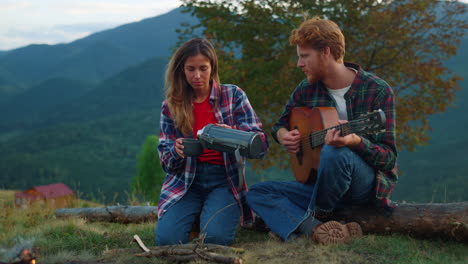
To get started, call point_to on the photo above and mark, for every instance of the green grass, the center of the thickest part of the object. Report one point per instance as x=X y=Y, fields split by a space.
x=60 y=241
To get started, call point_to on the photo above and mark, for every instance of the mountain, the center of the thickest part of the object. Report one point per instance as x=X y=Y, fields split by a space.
x=31 y=104
x=90 y=142
x=93 y=58
x=86 y=131
x=57 y=101
x=438 y=171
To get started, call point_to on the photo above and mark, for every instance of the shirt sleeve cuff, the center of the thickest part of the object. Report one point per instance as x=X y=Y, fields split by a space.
x=274 y=131
x=178 y=159
x=361 y=147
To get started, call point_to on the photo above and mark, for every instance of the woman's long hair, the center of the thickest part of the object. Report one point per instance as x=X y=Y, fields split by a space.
x=179 y=93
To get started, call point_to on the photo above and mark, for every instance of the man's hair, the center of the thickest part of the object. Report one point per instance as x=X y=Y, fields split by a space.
x=318 y=34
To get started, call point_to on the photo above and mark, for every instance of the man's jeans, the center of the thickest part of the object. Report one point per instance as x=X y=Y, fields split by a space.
x=210 y=194
x=343 y=179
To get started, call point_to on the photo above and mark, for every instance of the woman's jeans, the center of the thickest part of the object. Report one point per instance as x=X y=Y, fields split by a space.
x=343 y=179
x=210 y=194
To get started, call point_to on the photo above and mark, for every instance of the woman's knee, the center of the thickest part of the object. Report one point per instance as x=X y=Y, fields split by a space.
x=221 y=236
x=170 y=235
x=219 y=239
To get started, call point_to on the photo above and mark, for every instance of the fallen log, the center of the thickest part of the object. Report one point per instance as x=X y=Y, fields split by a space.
x=437 y=220
x=428 y=220
x=119 y=214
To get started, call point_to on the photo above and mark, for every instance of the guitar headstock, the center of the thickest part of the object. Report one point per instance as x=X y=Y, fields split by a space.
x=369 y=123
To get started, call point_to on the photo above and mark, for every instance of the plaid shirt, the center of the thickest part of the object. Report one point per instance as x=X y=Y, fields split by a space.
x=233 y=109
x=367 y=93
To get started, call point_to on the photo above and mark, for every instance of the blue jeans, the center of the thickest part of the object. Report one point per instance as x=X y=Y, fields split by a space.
x=209 y=197
x=343 y=179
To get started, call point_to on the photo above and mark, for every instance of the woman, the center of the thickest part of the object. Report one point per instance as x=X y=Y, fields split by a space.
x=203 y=186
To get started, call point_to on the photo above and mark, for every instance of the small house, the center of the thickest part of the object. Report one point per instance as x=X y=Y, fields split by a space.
x=57 y=195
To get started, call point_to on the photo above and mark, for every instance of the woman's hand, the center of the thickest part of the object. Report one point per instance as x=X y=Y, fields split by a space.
x=179 y=147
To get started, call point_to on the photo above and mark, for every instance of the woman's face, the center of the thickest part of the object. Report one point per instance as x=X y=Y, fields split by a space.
x=197 y=71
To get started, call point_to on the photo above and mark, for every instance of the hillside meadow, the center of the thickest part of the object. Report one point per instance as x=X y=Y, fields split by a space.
x=74 y=240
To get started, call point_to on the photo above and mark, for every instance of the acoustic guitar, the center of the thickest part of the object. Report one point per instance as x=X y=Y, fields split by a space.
x=313 y=124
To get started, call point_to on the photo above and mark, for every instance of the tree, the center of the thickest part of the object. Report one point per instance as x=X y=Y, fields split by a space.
x=404 y=42
x=150 y=175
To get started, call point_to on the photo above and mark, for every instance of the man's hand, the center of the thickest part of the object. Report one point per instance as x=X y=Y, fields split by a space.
x=289 y=139
x=334 y=138
x=223 y=125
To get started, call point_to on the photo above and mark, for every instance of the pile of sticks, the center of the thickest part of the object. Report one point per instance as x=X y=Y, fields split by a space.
x=183 y=253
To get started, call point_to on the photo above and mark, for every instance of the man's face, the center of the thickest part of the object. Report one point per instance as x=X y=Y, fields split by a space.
x=311 y=63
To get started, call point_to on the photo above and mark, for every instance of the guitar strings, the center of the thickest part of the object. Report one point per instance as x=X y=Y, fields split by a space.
x=318 y=138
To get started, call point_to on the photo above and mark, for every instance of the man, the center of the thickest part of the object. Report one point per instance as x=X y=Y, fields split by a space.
x=353 y=169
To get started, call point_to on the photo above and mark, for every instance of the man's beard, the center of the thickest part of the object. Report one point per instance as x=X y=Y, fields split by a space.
x=317 y=75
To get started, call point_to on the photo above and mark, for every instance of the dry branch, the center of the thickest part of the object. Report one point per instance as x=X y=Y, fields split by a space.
x=188 y=252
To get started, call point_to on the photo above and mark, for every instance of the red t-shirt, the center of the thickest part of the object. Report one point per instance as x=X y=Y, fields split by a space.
x=203 y=114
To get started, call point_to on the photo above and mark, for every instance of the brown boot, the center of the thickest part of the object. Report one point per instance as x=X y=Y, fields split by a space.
x=354 y=229
x=333 y=232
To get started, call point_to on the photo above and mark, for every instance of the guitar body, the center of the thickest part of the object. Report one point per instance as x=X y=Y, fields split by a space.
x=309 y=120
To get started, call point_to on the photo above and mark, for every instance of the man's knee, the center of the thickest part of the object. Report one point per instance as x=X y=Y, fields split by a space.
x=257 y=192
x=330 y=154
x=260 y=187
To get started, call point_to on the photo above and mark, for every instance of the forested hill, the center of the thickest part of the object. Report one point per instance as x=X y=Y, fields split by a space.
x=79 y=112
x=90 y=142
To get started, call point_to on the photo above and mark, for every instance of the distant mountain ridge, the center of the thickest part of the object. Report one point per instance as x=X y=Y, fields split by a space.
x=56 y=101
x=92 y=58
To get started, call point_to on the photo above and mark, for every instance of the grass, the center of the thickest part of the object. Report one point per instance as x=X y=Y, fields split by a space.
x=74 y=240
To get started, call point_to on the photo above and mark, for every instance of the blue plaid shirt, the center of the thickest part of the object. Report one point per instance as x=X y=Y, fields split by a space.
x=233 y=109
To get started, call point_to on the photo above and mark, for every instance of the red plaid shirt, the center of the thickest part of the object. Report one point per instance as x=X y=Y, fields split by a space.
x=233 y=109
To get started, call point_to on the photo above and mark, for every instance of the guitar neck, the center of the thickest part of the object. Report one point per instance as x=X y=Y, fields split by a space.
x=318 y=138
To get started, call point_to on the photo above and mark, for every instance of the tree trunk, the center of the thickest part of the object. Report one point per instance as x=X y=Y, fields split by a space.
x=120 y=214
x=438 y=220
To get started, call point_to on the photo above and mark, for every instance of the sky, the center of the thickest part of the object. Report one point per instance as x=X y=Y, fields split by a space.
x=24 y=22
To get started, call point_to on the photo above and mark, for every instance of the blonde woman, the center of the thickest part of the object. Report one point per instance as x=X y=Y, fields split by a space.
x=203 y=186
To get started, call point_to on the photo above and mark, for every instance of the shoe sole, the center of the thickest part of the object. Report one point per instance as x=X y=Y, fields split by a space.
x=333 y=232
